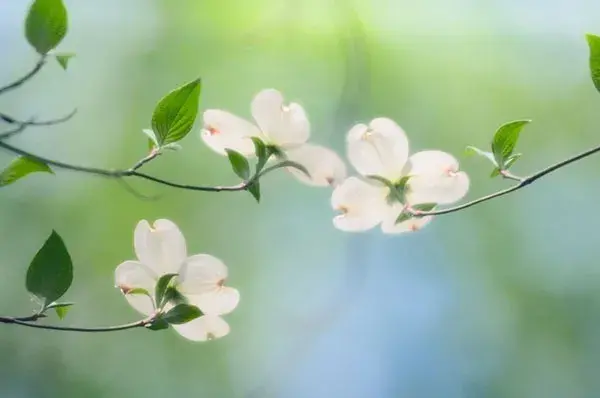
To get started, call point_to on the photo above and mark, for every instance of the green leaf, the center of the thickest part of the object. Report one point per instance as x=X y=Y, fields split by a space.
x=63 y=59
x=51 y=272
x=396 y=190
x=61 y=309
x=46 y=24
x=137 y=291
x=158 y=324
x=173 y=296
x=182 y=313
x=161 y=288
x=505 y=140
x=495 y=173
x=424 y=207
x=509 y=162
x=254 y=190
x=286 y=163
x=262 y=153
x=152 y=138
x=594 y=45
x=175 y=114
x=20 y=167
x=239 y=164
x=403 y=216
x=471 y=150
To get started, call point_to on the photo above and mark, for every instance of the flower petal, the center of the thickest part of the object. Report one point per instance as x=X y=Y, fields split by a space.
x=132 y=274
x=324 y=165
x=223 y=130
x=204 y=328
x=201 y=273
x=284 y=125
x=389 y=225
x=363 y=205
x=218 y=302
x=378 y=149
x=162 y=247
x=435 y=179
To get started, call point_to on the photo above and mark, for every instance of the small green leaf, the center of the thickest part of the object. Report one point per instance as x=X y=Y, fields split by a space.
x=396 y=190
x=152 y=138
x=239 y=164
x=172 y=147
x=594 y=45
x=403 y=216
x=175 y=114
x=137 y=291
x=471 y=150
x=182 y=313
x=63 y=59
x=511 y=160
x=46 y=24
x=495 y=173
x=286 y=164
x=20 y=167
x=262 y=153
x=161 y=288
x=254 y=190
x=158 y=324
x=275 y=150
x=505 y=140
x=424 y=207
x=51 y=272
x=173 y=296
x=61 y=309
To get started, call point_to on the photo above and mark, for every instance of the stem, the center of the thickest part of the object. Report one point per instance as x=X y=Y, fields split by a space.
x=27 y=323
x=132 y=172
x=12 y=120
x=38 y=66
x=522 y=184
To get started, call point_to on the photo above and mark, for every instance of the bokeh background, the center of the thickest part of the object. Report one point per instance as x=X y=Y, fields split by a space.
x=501 y=300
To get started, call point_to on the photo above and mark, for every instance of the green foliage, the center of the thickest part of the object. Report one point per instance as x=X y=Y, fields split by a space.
x=505 y=140
x=176 y=113
x=138 y=291
x=173 y=296
x=509 y=162
x=182 y=313
x=158 y=324
x=239 y=164
x=63 y=59
x=20 y=167
x=594 y=46
x=254 y=190
x=50 y=274
x=61 y=309
x=286 y=164
x=396 y=189
x=471 y=150
x=46 y=25
x=161 y=289
x=407 y=215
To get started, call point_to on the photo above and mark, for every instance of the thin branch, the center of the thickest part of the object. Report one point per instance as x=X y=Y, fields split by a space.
x=124 y=173
x=12 y=120
x=21 y=322
x=38 y=66
x=522 y=184
x=15 y=131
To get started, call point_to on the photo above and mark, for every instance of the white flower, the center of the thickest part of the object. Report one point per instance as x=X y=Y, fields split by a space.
x=381 y=149
x=279 y=124
x=161 y=250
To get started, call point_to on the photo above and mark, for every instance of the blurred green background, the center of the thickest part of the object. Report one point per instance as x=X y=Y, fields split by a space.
x=501 y=300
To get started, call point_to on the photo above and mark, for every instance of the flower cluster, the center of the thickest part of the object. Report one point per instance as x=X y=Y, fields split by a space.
x=161 y=250
x=391 y=185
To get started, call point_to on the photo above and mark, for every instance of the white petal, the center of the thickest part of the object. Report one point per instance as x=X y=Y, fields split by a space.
x=435 y=178
x=284 y=125
x=218 y=302
x=378 y=149
x=389 y=225
x=132 y=274
x=161 y=247
x=362 y=204
x=204 y=328
x=201 y=273
x=323 y=164
x=223 y=130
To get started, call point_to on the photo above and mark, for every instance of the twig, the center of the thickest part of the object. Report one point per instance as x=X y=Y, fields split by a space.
x=131 y=172
x=38 y=66
x=27 y=323
x=522 y=184
x=12 y=120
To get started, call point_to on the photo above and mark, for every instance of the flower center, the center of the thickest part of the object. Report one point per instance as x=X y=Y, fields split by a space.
x=212 y=130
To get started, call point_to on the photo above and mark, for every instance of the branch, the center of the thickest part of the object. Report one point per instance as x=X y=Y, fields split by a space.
x=131 y=172
x=522 y=184
x=12 y=120
x=27 y=321
x=38 y=66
